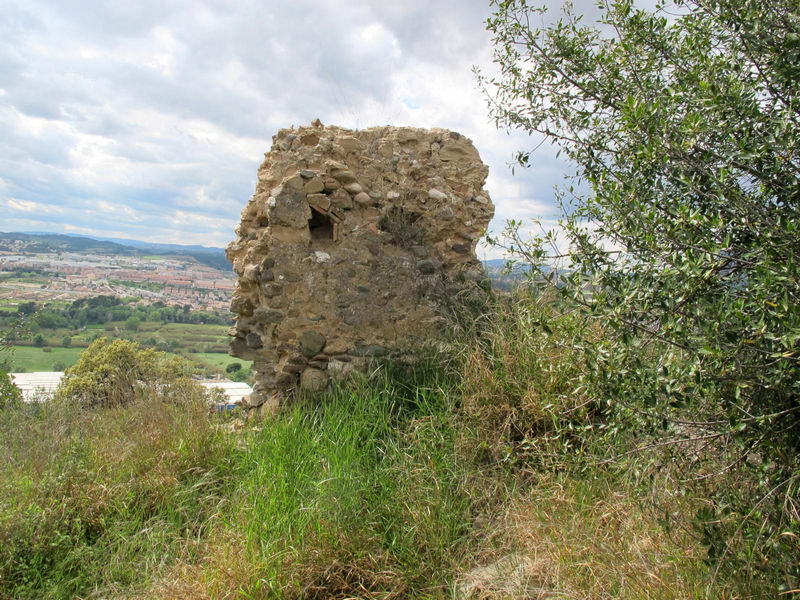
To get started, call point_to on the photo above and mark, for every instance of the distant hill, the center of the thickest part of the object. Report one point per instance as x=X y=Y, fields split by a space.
x=502 y=278
x=57 y=242
x=153 y=246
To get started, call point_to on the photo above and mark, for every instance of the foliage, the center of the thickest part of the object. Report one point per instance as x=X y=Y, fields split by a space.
x=520 y=382
x=116 y=373
x=367 y=492
x=10 y=394
x=132 y=323
x=27 y=308
x=682 y=125
x=102 y=309
x=100 y=500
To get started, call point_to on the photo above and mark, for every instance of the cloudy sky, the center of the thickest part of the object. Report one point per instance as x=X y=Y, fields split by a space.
x=148 y=119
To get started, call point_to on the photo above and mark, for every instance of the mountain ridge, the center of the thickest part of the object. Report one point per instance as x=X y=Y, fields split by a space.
x=54 y=242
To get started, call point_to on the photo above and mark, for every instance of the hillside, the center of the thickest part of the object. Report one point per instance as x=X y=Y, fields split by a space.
x=56 y=242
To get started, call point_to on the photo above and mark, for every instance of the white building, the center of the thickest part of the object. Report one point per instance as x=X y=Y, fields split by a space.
x=36 y=387
x=234 y=390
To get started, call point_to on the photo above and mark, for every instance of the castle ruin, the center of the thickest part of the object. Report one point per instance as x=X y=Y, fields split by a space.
x=348 y=247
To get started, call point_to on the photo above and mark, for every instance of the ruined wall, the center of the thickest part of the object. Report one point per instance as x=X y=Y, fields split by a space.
x=348 y=247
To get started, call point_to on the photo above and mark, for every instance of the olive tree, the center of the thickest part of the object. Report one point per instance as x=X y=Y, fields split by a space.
x=683 y=232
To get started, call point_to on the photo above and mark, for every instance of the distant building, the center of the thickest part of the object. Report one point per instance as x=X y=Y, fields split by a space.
x=41 y=386
x=236 y=391
x=37 y=387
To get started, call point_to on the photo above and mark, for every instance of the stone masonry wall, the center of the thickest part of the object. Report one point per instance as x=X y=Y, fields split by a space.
x=348 y=247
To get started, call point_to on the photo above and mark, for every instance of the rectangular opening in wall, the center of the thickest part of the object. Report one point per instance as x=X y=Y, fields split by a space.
x=320 y=226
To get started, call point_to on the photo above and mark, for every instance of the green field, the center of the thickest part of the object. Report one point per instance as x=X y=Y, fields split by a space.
x=31 y=358
x=174 y=336
x=219 y=360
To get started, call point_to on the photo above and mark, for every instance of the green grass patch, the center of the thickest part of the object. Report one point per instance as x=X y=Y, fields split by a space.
x=219 y=360
x=190 y=329
x=31 y=358
x=368 y=482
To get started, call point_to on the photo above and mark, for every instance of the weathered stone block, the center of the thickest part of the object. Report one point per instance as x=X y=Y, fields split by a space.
x=426 y=266
x=271 y=290
x=241 y=305
x=369 y=350
x=341 y=199
x=363 y=199
x=313 y=381
x=266 y=315
x=322 y=201
x=253 y=340
x=311 y=343
x=314 y=186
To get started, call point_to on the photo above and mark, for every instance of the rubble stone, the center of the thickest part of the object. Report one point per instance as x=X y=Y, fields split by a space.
x=348 y=247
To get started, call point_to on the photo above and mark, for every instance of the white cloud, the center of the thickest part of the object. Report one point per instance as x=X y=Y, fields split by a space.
x=22 y=205
x=150 y=119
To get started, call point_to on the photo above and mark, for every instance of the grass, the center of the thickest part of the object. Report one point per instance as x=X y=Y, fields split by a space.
x=366 y=494
x=194 y=340
x=361 y=495
x=99 y=500
x=219 y=360
x=32 y=358
x=591 y=538
x=441 y=481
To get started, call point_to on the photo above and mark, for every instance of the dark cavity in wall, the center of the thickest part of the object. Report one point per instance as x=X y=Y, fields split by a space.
x=320 y=226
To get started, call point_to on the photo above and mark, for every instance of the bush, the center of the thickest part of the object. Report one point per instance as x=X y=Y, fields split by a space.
x=116 y=373
x=10 y=394
x=682 y=227
x=240 y=375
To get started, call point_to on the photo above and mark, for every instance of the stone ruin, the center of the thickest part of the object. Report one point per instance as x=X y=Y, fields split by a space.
x=349 y=247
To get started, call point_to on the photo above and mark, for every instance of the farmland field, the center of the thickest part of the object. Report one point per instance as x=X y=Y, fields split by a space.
x=31 y=358
x=219 y=360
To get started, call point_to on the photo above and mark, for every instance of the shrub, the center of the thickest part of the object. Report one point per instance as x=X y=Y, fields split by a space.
x=132 y=323
x=116 y=373
x=682 y=126
x=10 y=394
